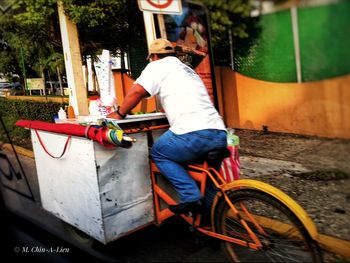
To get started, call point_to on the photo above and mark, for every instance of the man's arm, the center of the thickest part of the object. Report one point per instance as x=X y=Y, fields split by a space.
x=132 y=98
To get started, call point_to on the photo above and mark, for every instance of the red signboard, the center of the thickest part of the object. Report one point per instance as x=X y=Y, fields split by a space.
x=173 y=7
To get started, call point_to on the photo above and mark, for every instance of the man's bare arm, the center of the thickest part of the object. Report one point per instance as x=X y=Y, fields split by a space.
x=132 y=98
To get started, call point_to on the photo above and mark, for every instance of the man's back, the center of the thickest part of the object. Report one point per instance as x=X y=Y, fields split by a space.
x=183 y=95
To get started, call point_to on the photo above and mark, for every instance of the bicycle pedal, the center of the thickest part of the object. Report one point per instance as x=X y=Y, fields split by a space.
x=189 y=214
x=191 y=228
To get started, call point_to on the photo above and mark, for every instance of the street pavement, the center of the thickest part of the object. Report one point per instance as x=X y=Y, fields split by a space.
x=170 y=242
x=29 y=232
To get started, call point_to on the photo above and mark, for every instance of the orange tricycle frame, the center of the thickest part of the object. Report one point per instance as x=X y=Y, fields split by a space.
x=200 y=173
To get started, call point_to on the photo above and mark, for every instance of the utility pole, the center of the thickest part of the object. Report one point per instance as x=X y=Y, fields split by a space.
x=24 y=71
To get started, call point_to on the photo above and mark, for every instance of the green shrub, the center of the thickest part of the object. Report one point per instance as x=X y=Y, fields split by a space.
x=13 y=110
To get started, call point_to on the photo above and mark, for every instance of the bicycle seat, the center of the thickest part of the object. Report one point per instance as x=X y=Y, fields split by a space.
x=216 y=155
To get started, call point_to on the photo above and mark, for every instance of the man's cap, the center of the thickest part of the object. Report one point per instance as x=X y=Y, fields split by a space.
x=160 y=46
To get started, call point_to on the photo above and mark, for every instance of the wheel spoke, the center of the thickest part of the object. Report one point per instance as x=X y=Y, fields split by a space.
x=283 y=237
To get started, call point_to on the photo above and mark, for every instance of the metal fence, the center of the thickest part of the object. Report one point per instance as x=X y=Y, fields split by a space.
x=298 y=45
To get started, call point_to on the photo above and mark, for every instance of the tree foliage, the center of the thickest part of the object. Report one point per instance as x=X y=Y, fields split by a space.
x=230 y=17
x=227 y=15
x=30 y=32
x=31 y=28
x=112 y=25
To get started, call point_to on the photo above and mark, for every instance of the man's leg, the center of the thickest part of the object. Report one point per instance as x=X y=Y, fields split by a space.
x=171 y=149
x=167 y=153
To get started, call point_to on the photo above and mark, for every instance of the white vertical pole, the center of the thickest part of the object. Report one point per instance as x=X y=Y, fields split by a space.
x=149 y=27
x=73 y=63
x=89 y=70
x=161 y=24
x=231 y=50
x=151 y=35
x=295 y=28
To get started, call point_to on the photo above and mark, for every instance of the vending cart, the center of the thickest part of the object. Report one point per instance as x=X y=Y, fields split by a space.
x=102 y=190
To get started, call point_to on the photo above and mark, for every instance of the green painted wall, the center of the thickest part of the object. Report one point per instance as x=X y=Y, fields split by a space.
x=325 y=41
x=324 y=38
x=271 y=55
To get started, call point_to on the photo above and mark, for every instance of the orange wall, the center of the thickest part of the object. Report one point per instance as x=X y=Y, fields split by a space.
x=123 y=83
x=319 y=108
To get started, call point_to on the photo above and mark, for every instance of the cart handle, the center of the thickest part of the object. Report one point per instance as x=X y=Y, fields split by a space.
x=44 y=147
x=129 y=139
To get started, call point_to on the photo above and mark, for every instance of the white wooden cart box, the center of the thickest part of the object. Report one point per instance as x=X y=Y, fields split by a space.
x=103 y=192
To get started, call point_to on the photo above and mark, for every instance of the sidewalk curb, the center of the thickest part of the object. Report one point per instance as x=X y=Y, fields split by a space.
x=19 y=150
x=334 y=245
x=328 y=243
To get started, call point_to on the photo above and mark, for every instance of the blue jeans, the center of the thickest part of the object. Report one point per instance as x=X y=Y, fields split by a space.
x=170 y=150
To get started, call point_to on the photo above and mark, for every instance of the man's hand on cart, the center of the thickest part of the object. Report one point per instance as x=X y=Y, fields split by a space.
x=114 y=115
x=117 y=115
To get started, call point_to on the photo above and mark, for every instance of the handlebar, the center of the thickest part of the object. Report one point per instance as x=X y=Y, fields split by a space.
x=129 y=139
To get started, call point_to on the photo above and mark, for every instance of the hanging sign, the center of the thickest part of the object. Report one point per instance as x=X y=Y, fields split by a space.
x=171 y=7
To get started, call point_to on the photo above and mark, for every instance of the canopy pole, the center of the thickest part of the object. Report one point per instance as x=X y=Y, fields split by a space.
x=73 y=63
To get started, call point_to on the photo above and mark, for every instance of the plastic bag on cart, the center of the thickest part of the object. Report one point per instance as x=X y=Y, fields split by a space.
x=230 y=166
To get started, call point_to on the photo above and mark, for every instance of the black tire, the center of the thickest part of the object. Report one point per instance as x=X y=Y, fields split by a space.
x=279 y=244
x=2 y=204
x=78 y=236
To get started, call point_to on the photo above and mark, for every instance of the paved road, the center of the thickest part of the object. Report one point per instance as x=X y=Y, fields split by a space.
x=172 y=242
x=22 y=240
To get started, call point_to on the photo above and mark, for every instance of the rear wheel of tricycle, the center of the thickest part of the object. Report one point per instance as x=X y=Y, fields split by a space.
x=79 y=236
x=283 y=237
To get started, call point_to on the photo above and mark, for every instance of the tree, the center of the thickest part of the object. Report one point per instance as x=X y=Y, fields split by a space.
x=228 y=15
x=112 y=25
x=94 y=17
x=8 y=62
x=31 y=27
x=29 y=30
x=230 y=21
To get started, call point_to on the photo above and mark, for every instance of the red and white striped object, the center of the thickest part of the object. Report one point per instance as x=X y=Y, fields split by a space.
x=230 y=166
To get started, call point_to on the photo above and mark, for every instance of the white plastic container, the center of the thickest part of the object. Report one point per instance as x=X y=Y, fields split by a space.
x=94 y=108
x=62 y=114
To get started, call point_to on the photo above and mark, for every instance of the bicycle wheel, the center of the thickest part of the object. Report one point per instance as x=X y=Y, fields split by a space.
x=282 y=235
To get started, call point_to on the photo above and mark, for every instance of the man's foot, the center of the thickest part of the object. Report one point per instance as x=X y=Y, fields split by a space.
x=196 y=207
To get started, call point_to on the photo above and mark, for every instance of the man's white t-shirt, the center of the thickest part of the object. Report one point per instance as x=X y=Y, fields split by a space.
x=183 y=95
